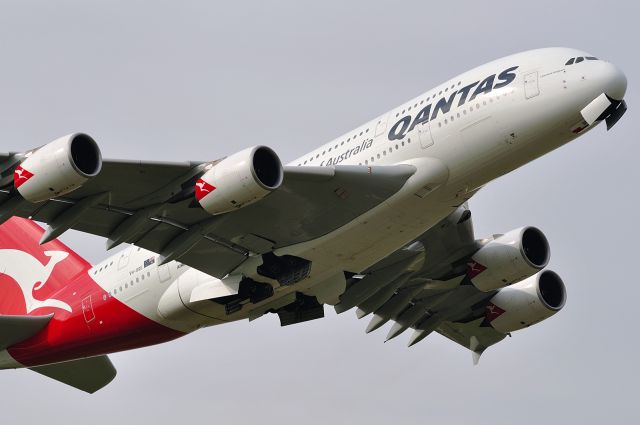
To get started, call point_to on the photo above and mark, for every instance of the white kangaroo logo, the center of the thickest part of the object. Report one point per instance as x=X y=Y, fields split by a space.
x=201 y=185
x=31 y=275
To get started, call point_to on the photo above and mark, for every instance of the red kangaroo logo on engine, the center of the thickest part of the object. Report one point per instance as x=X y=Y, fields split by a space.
x=20 y=176
x=203 y=189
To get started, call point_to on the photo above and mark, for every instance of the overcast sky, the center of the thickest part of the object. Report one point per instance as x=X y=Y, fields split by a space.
x=198 y=80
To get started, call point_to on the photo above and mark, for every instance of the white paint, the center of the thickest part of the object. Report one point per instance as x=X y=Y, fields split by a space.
x=31 y=275
x=466 y=148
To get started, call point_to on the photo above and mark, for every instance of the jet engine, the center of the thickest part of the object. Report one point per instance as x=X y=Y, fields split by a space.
x=527 y=302
x=508 y=259
x=239 y=180
x=57 y=168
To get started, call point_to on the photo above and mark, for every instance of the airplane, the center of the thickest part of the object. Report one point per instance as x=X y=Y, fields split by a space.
x=376 y=220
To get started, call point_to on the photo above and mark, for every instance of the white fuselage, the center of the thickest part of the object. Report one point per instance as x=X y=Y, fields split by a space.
x=460 y=135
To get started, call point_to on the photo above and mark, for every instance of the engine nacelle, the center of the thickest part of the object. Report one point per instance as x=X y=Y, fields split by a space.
x=239 y=180
x=527 y=302
x=508 y=259
x=57 y=168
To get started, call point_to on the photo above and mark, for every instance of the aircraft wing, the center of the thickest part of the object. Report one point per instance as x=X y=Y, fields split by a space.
x=152 y=205
x=422 y=288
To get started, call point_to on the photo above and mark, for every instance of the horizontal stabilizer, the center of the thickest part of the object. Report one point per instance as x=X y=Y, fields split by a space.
x=15 y=329
x=88 y=374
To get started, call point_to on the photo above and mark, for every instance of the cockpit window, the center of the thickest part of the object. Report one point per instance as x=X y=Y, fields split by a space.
x=580 y=59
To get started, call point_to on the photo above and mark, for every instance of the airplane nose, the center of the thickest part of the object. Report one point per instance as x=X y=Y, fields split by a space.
x=615 y=82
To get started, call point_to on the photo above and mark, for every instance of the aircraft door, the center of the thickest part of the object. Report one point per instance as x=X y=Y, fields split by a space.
x=381 y=126
x=164 y=273
x=531 y=88
x=424 y=132
x=87 y=309
x=123 y=261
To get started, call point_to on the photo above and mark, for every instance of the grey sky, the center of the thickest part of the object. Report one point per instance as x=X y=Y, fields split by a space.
x=199 y=80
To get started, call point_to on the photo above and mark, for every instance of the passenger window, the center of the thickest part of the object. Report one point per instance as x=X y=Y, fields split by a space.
x=580 y=59
x=570 y=61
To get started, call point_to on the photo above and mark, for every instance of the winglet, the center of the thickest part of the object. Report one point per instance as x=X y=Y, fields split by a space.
x=476 y=349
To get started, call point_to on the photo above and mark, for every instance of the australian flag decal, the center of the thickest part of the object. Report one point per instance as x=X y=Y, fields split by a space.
x=149 y=261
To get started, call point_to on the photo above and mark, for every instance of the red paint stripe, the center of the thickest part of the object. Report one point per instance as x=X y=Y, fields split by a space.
x=105 y=325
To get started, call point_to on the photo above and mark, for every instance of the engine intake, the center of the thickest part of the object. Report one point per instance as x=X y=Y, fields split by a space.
x=58 y=168
x=526 y=303
x=508 y=259
x=239 y=180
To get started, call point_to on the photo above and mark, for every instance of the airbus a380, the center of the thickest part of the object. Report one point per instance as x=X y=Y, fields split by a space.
x=376 y=220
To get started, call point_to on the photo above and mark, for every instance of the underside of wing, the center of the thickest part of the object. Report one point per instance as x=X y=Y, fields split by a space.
x=474 y=292
x=153 y=205
x=474 y=335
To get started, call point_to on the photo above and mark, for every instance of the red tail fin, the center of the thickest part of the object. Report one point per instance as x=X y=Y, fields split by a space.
x=30 y=273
